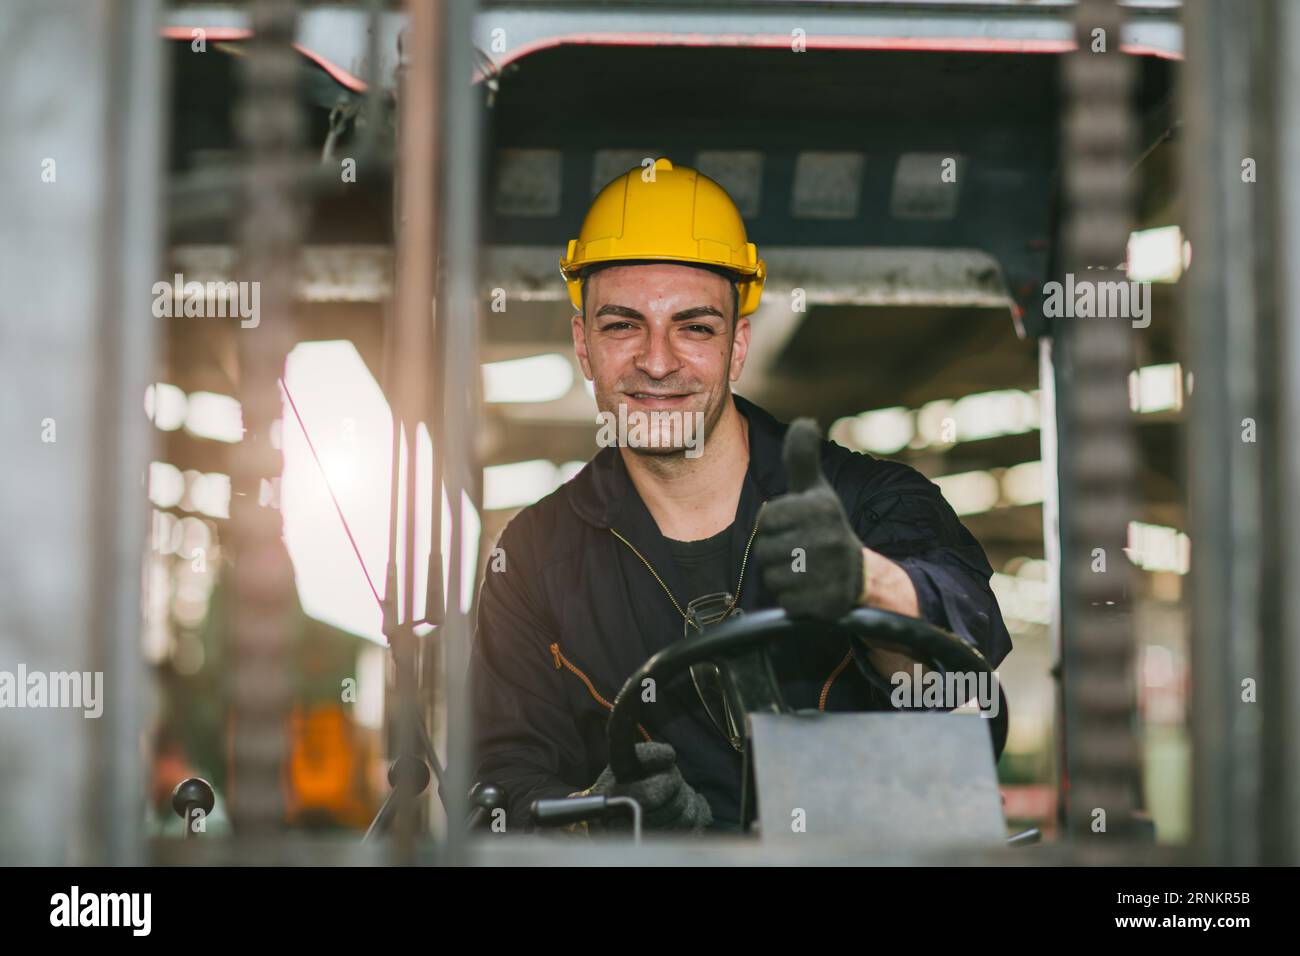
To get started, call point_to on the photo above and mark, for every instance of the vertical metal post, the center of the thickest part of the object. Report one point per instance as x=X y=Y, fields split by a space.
x=1220 y=302
x=127 y=342
x=419 y=135
x=1050 y=455
x=462 y=187
x=1098 y=463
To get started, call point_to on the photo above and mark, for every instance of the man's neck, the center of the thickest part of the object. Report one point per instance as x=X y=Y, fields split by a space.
x=695 y=498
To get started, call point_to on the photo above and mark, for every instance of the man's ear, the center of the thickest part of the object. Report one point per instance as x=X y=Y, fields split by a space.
x=739 y=347
x=579 y=327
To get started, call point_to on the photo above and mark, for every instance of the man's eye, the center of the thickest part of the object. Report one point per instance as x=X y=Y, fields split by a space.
x=706 y=329
x=616 y=326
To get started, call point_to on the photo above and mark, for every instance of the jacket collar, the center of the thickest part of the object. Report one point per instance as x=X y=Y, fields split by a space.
x=599 y=493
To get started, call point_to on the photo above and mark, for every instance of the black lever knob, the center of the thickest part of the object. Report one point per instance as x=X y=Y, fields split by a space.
x=192 y=796
x=488 y=796
x=484 y=798
x=409 y=774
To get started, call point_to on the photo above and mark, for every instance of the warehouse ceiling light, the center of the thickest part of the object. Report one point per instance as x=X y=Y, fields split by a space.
x=970 y=492
x=1156 y=388
x=538 y=378
x=218 y=417
x=518 y=484
x=1158 y=255
x=165 y=405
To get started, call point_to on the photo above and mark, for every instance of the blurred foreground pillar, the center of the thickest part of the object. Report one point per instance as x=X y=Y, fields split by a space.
x=79 y=172
x=1241 y=103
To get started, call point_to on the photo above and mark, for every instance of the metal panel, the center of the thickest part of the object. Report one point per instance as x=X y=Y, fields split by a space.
x=895 y=783
x=338 y=35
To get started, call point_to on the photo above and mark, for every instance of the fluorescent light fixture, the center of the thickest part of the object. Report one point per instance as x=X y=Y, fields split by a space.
x=538 y=378
x=883 y=431
x=969 y=492
x=166 y=484
x=214 y=416
x=1157 y=255
x=207 y=494
x=165 y=405
x=1023 y=484
x=936 y=424
x=1154 y=547
x=975 y=417
x=1156 y=388
x=518 y=484
x=990 y=414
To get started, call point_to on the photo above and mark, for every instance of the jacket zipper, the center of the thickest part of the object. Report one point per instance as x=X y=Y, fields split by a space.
x=826 y=688
x=740 y=582
x=563 y=662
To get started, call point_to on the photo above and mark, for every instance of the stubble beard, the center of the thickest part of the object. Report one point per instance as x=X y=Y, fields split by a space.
x=663 y=455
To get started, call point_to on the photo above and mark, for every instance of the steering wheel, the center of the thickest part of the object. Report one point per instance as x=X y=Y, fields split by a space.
x=740 y=646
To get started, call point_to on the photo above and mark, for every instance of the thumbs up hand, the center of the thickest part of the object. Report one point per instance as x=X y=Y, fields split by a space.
x=811 y=559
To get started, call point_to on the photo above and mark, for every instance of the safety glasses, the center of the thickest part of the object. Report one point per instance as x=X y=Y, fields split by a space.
x=703 y=613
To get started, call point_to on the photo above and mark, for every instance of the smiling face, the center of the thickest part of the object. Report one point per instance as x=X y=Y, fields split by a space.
x=661 y=337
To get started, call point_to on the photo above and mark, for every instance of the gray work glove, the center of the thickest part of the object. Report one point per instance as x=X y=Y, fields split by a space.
x=667 y=801
x=829 y=581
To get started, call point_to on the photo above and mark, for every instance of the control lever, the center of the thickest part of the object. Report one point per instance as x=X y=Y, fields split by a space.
x=485 y=799
x=191 y=797
x=562 y=811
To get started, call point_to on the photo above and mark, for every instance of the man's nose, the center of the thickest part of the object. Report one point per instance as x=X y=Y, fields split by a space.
x=657 y=358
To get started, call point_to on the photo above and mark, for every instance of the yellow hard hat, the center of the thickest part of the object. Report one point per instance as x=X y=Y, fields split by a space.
x=674 y=214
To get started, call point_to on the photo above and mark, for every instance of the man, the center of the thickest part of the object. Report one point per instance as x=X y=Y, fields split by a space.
x=662 y=534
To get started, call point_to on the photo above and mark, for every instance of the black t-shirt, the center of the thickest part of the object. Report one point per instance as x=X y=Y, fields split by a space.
x=706 y=564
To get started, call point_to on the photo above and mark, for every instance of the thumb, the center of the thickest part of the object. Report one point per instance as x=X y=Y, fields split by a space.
x=655 y=757
x=803 y=449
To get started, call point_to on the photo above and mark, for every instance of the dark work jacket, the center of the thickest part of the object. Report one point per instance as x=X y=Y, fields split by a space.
x=570 y=612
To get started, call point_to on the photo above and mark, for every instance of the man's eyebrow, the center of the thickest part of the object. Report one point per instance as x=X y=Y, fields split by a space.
x=621 y=310
x=695 y=313
x=683 y=316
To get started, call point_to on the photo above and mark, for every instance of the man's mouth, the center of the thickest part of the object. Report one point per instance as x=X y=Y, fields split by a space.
x=658 y=399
